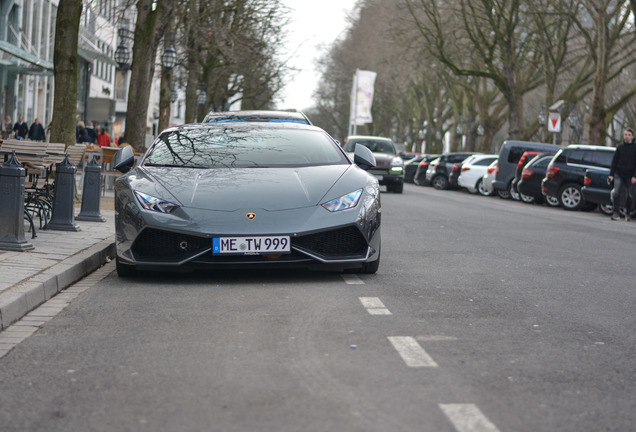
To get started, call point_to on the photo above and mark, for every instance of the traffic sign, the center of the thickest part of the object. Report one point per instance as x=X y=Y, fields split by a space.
x=554 y=122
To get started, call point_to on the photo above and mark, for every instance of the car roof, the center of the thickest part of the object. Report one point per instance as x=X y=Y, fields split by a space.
x=590 y=147
x=257 y=116
x=239 y=124
x=350 y=137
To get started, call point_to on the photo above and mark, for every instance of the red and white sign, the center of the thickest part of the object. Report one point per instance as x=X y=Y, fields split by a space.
x=554 y=122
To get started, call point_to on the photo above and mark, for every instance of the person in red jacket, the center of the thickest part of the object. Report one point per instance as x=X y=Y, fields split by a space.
x=103 y=139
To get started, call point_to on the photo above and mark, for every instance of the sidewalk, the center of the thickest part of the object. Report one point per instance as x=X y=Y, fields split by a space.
x=60 y=258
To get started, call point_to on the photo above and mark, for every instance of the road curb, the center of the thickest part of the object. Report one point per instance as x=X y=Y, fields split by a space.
x=25 y=296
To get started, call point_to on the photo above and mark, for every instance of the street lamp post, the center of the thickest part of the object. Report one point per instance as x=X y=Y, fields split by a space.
x=575 y=124
x=169 y=56
x=122 y=53
x=542 y=119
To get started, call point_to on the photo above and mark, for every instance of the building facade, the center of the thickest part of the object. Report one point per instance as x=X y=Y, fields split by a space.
x=27 y=35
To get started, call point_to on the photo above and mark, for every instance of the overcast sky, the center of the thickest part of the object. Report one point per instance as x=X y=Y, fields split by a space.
x=315 y=25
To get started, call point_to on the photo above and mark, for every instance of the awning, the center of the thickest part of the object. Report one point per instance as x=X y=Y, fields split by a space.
x=26 y=56
x=91 y=52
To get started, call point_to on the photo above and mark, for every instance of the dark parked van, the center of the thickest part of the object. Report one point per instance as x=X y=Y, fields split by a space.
x=509 y=155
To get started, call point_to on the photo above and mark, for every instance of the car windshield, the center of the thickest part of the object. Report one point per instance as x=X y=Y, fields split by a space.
x=230 y=145
x=376 y=146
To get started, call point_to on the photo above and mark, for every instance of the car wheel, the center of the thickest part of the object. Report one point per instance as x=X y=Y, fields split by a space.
x=503 y=194
x=481 y=189
x=440 y=182
x=124 y=270
x=397 y=188
x=607 y=209
x=370 y=268
x=526 y=198
x=513 y=193
x=551 y=201
x=570 y=197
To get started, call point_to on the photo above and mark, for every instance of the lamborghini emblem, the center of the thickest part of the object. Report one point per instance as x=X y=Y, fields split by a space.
x=250 y=215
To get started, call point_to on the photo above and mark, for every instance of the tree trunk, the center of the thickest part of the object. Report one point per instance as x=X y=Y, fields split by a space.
x=597 y=110
x=65 y=68
x=165 y=92
x=193 y=67
x=151 y=23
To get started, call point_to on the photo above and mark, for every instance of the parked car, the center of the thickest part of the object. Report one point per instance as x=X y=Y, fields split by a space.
x=441 y=169
x=453 y=177
x=597 y=190
x=389 y=168
x=485 y=186
x=420 y=173
x=246 y=195
x=257 y=116
x=509 y=155
x=530 y=183
x=410 y=167
x=514 y=193
x=472 y=171
x=566 y=173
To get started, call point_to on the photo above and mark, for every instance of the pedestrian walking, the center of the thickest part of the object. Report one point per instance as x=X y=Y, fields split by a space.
x=103 y=139
x=36 y=131
x=623 y=174
x=7 y=127
x=20 y=128
x=83 y=137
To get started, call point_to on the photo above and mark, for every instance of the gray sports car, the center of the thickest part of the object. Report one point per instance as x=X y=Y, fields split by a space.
x=246 y=194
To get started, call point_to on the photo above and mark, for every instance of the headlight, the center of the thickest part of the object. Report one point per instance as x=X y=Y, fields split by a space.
x=344 y=202
x=397 y=165
x=154 y=204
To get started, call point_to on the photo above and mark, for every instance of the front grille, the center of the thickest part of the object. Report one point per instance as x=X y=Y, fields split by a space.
x=165 y=245
x=378 y=171
x=341 y=242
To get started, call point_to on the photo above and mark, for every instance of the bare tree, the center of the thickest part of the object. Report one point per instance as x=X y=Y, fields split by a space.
x=603 y=24
x=152 y=19
x=65 y=68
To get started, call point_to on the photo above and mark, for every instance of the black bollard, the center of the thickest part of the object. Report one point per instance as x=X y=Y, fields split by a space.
x=64 y=200
x=12 y=206
x=91 y=193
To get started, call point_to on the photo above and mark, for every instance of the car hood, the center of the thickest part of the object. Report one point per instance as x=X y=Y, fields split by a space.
x=229 y=189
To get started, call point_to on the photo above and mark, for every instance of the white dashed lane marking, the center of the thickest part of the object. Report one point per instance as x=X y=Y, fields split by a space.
x=374 y=306
x=411 y=352
x=468 y=418
x=351 y=279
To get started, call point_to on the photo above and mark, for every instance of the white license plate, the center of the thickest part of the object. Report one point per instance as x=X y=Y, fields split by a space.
x=251 y=245
x=379 y=177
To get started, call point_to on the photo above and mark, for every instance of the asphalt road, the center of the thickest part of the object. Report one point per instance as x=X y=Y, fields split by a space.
x=486 y=315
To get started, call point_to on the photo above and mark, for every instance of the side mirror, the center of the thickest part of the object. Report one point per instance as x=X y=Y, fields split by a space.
x=124 y=159
x=363 y=157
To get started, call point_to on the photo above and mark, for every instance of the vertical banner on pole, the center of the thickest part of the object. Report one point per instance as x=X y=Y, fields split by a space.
x=362 y=97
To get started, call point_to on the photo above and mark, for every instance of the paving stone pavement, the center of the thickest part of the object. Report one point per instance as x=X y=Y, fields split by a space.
x=59 y=259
